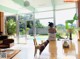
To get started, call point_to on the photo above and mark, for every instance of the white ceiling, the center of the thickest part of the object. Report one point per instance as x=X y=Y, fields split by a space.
x=13 y=5
x=40 y=3
x=37 y=4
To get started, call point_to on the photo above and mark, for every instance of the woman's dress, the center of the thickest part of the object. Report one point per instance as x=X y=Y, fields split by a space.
x=52 y=36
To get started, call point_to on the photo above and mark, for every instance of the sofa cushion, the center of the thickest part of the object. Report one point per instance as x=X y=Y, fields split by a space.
x=2 y=46
x=8 y=41
x=1 y=41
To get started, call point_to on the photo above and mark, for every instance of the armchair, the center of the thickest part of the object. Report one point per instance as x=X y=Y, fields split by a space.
x=5 y=42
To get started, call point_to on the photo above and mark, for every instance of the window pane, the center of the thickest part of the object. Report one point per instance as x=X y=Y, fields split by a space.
x=46 y=21
x=44 y=14
x=63 y=15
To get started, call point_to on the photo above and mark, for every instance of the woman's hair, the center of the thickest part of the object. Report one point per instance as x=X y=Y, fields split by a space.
x=51 y=24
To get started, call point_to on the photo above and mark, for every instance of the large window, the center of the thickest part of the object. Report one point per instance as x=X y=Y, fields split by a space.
x=25 y=27
x=61 y=16
x=42 y=20
x=30 y=24
x=45 y=14
x=64 y=17
x=10 y=25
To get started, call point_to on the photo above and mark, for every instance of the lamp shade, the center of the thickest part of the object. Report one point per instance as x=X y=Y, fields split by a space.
x=26 y=3
x=71 y=0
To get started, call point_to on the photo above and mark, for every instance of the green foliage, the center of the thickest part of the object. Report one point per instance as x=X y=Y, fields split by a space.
x=67 y=26
x=71 y=22
x=22 y=25
x=29 y=24
x=27 y=29
x=59 y=36
x=38 y=24
x=60 y=29
x=75 y=17
x=22 y=31
x=11 y=26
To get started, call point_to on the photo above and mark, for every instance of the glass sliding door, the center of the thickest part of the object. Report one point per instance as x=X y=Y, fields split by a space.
x=29 y=25
x=22 y=31
x=63 y=16
x=22 y=24
x=42 y=28
x=29 y=29
x=19 y=27
x=25 y=27
x=10 y=27
x=42 y=20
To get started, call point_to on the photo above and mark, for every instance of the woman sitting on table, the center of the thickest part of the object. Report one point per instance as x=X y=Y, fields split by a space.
x=52 y=31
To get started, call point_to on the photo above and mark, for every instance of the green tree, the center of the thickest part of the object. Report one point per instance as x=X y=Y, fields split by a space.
x=29 y=24
x=38 y=24
x=11 y=26
x=60 y=31
x=69 y=23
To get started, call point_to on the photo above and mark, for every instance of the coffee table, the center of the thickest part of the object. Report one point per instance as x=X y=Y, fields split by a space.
x=11 y=53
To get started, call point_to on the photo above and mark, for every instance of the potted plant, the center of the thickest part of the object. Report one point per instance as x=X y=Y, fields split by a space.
x=70 y=27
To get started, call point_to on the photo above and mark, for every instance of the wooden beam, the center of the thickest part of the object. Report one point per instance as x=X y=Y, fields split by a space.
x=78 y=18
x=1 y=22
x=71 y=0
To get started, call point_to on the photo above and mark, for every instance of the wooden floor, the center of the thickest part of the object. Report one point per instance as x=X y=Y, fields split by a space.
x=54 y=50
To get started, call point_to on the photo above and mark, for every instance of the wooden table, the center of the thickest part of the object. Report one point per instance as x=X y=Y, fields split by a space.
x=15 y=52
x=11 y=53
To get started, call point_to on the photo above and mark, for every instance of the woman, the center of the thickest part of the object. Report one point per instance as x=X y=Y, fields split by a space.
x=52 y=31
x=52 y=41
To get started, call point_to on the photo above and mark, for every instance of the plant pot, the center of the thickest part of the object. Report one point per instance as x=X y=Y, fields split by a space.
x=70 y=33
x=70 y=30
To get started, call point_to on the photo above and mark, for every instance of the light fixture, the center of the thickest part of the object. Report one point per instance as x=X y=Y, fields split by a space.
x=26 y=3
x=71 y=0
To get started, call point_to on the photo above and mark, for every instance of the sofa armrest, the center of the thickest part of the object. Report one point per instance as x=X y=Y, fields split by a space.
x=8 y=41
x=3 y=37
